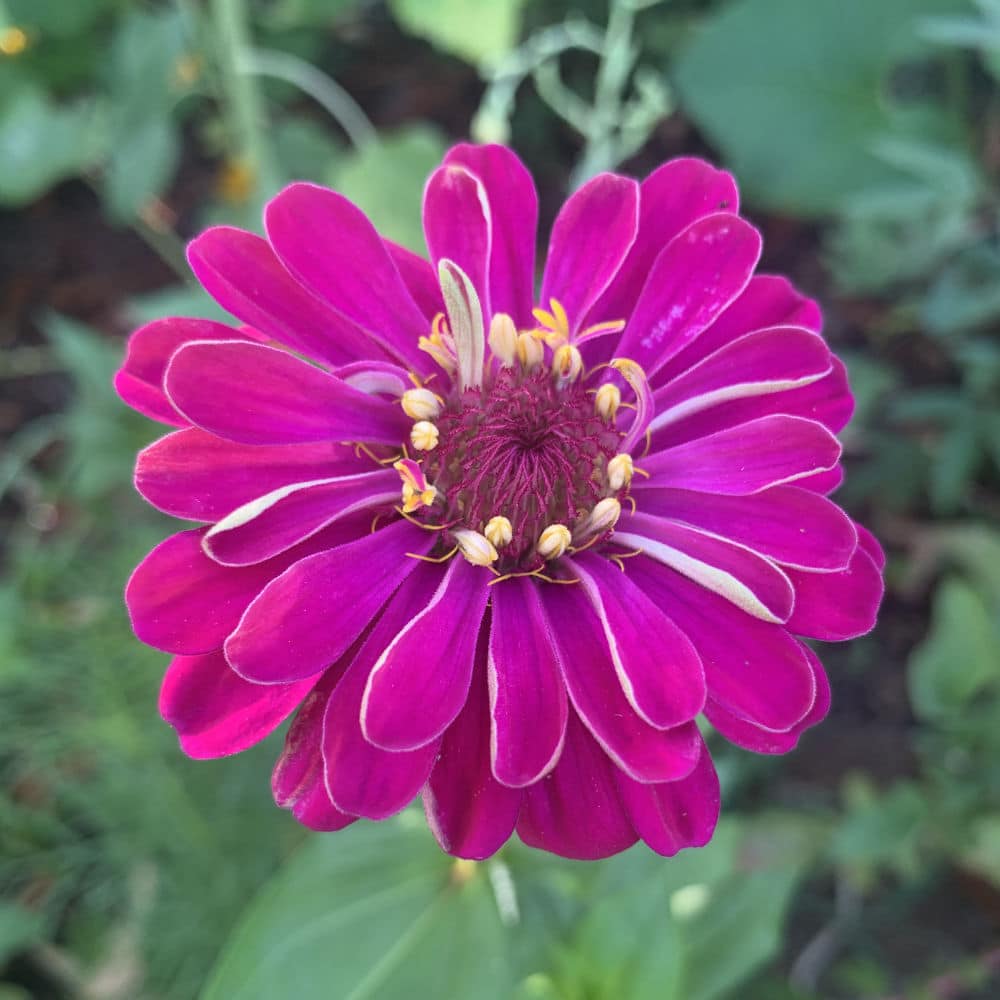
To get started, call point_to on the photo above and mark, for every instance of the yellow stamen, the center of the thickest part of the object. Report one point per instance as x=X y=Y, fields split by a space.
x=554 y=541
x=620 y=470
x=424 y=436
x=603 y=517
x=433 y=559
x=417 y=492
x=440 y=345
x=477 y=548
x=503 y=339
x=421 y=404
x=499 y=531
x=529 y=352
x=567 y=363
x=607 y=400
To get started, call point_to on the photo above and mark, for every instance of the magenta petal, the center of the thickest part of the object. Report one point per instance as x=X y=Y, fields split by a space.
x=332 y=248
x=576 y=810
x=361 y=778
x=420 y=682
x=458 y=226
x=675 y=814
x=747 y=458
x=776 y=359
x=753 y=583
x=510 y=192
x=752 y=737
x=670 y=199
x=260 y=395
x=297 y=781
x=694 y=279
x=216 y=712
x=766 y=301
x=139 y=381
x=274 y=522
x=659 y=670
x=643 y=752
x=755 y=669
x=241 y=272
x=527 y=694
x=837 y=606
x=788 y=524
x=871 y=545
x=196 y=475
x=591 y=237
x=182 y=602
x=308 y=616
x=420 y=278
x=469 y=811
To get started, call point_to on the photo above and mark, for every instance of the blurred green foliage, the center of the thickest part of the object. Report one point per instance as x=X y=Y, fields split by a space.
x=866 y=130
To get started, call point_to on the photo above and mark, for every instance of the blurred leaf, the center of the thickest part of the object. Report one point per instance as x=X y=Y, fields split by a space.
x=982 y=854
x=879 y=828
x=57 y=17
x=977 y=33
x=305 y=151
x=297 y=13
x=959 y=656
x=376 y=911
x=957 y=458
x=142 y=164
x=794 y=94
x=42 y=143
x=478 y=31
x=18 y=928
x=966 y=294
x=387 y=178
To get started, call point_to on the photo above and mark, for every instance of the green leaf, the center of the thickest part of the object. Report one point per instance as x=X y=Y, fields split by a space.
x=478 y=31
x=175 y=300
x=57 y=17
x=795 y=94
x=386 y=179
x=18 y=928
x=958 y=659
x=42 y=143
x=142 y=164
x=375 y=912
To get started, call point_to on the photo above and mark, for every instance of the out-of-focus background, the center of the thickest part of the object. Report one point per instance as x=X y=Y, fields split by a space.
x=865 y=135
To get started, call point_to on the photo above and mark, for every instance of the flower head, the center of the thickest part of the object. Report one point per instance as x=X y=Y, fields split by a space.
x=497 y=545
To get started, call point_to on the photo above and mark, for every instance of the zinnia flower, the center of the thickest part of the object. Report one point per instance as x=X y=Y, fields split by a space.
x=495 y=544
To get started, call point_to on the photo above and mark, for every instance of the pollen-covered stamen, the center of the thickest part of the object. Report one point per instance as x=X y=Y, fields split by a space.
x=421 y=404
x=620 y=470
x=529 y=351
x=600 y=521
x=417 y=492
x=607 y=399
x=477 y=548
x=567 y=364
x=424 y=436
x=554 y=541
x=440 y=345
x=503 y=339
x=499 y=531
x=553 y=327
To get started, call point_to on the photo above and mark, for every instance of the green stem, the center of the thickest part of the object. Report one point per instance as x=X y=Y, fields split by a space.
x=243 y=105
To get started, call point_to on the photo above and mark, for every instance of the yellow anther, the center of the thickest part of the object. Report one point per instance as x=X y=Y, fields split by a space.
x=607 y=400
x=554 y=541
x=440 y=345
x=477 y=548
x=554 y=325
x=620 y=470
x=421 y=404
x=529 y=351
x=417 y=492
x=503 y=339
x=603 y=517
x=567 y=363
x=424 y=436
x=499 y=530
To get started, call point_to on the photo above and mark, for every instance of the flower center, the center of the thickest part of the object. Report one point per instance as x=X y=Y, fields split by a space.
x=525 y=449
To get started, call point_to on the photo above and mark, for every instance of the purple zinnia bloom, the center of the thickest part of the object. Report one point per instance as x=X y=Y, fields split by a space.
x=497 y=545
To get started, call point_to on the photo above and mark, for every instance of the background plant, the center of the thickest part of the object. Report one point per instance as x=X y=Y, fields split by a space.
x=866 y=138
